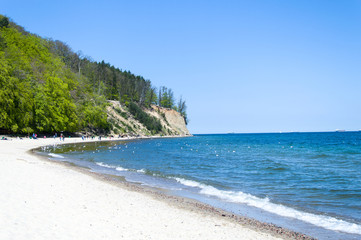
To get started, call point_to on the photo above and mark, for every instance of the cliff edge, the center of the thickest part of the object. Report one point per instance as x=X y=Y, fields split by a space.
x=155 y=121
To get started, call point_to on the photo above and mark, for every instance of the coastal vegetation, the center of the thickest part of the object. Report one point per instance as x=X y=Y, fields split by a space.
x=46 y=87
x=151 y=123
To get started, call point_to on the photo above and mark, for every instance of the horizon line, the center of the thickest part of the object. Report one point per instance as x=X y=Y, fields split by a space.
x=328 y=131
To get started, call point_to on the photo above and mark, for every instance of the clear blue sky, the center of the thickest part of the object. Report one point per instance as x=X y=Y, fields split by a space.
x=242 y=66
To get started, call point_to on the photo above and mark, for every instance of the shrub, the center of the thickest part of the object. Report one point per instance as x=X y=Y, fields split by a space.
x=121 y=113
x=151 y=123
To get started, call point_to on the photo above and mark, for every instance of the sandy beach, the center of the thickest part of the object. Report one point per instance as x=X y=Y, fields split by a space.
x=45 y=200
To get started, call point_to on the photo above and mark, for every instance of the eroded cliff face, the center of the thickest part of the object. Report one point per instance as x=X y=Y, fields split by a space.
x=173 y=120
x=124 y=123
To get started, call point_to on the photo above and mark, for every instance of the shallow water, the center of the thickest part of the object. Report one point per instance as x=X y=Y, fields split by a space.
x=308 y=182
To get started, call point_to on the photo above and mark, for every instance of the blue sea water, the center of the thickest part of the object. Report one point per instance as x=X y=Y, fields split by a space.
x=308 y=182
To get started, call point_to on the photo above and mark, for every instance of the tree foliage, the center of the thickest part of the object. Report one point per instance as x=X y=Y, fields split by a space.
x=166 y=97
x=37 y=91
x=182 y=109
x=4 y=21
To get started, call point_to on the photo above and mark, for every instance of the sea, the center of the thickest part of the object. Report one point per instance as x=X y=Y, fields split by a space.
x=306 y=182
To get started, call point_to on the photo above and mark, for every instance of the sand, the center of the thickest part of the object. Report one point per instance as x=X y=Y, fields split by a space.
x=40 y=199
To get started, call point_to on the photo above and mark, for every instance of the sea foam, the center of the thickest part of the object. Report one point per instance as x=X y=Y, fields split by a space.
x=55 y=155
x=327 y=222
x=111 y=166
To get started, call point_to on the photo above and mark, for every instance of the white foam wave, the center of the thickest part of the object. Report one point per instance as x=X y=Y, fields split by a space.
x=104 y=165
x=264 y=203
x=111 y=166
x=141 y=170
x=55 y=155
x=121 y=169
x=190 y=183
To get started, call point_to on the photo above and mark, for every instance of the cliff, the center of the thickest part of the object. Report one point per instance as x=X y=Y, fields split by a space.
x=125 y=123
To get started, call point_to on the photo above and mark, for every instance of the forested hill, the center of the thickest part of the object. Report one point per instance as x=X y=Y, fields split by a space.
x=45 y=87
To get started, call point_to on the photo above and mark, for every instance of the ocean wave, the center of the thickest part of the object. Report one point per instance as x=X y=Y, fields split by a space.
x=278 y=169
x=189 y=183
x=111 y=166
x=317 y=156
x=121 y=169
x=327 y=222
x=55 y=155
x=105 y=165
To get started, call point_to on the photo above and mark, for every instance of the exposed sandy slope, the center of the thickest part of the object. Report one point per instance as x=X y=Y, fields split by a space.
x=45 y=200
x=173 y=123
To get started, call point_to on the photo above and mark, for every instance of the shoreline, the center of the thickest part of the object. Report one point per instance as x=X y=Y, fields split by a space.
x=241 y=225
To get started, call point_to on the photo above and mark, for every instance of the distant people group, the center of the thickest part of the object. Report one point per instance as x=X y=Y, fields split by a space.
x=62 y=137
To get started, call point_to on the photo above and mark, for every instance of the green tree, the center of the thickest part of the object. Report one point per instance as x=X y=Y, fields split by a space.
x=182 y=109
x=166 y=97
x=4 y=21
